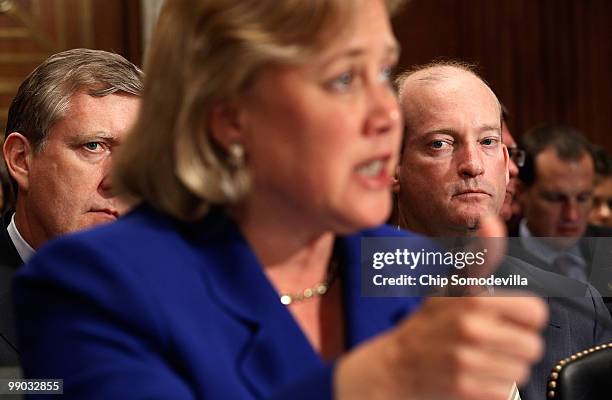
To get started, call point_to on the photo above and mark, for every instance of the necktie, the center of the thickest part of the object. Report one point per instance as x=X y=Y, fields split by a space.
x=567 y=265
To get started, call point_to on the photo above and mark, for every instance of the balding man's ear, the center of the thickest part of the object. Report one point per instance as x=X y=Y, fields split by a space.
x=507 y=162
x=523 y=198
x=395 y=184
x=18 y=155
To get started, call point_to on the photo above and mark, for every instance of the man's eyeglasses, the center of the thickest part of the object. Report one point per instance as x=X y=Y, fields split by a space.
x=517 y=155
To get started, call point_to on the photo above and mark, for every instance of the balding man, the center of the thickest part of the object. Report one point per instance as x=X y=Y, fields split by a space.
x=454 y=170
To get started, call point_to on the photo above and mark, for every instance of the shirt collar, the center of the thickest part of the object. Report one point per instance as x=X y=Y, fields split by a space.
x=543 y=251
x=23 y=248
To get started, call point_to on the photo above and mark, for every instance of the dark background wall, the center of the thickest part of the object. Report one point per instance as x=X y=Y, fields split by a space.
x=547 y=60
x=32 y=30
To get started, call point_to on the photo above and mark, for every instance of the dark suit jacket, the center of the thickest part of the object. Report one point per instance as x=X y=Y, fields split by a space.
x=150 y=308
x=9 y=262
x=596 y=248
x=577 y=319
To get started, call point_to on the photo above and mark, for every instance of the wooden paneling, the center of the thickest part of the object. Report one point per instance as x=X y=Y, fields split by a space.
x=548 y=60
x=31 y=30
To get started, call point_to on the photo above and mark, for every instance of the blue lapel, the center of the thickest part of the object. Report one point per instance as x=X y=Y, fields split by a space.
x=278 y=351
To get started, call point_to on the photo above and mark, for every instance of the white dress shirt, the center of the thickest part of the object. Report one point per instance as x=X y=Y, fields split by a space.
x=23 y=248
x=568 y=262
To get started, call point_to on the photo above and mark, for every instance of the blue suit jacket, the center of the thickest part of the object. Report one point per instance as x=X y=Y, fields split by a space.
x=149 y=308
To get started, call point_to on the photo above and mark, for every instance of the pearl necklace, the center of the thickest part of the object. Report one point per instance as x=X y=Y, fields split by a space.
x=314 y=291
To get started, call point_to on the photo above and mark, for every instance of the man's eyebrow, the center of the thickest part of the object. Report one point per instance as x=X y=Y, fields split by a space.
x=487 y=128
x=97 y=136
x=453 y=132
x=442 y=131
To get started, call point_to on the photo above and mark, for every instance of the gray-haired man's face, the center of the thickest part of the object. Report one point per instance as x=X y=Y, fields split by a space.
x=68 y=183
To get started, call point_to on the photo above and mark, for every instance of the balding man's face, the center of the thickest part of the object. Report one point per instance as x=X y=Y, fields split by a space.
x=454 y=167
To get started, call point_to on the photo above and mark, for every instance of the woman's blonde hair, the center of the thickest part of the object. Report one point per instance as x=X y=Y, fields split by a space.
x=204 y=52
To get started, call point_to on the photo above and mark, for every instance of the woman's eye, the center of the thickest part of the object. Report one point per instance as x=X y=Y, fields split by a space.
x=342 y=81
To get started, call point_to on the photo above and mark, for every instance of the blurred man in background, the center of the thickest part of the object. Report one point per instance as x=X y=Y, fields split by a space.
x=558 y=179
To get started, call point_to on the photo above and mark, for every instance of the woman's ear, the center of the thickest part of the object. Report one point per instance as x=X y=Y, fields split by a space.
x=18 y=155
x=225 y=124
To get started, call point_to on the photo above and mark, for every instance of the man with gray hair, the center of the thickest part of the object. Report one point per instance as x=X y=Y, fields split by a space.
x=453 y=171
x=64 y=125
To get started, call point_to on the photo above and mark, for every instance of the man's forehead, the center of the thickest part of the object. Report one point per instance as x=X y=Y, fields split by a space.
x=451 y=112
x=569 y=176
x=549 y=160
x=110 y=112
x=460 y=93
x=447 y=77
